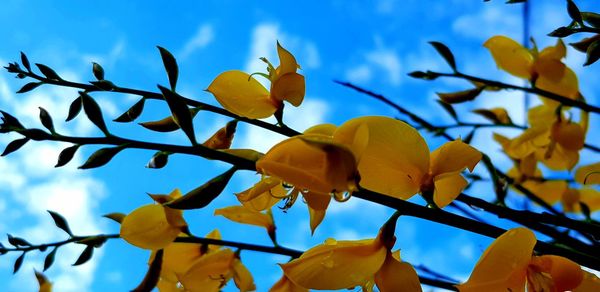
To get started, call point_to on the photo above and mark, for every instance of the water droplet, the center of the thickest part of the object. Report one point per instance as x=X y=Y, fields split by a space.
x=305 y=191
x=341 y=197
x=330 y=241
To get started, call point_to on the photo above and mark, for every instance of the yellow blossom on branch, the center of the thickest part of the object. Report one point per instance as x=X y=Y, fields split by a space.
x=241 y=94
x=508 y=265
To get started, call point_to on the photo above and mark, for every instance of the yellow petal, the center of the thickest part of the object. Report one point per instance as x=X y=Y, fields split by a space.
x=322 y=129
x=174 y=216
x=590 y=283
x=308 y=162
x=165 y=285
x=285 y=285
x=223 y=137
x=550 y=69
x=541 y=116
x=242 y=95
x=289 y=87
x=178 y=257
x=560 y=159
x=317 y=206
x=242 y=278
x=549 y=191
x=244 y=215
x=336 y=264
x=591 y=198
x=569 y=135
x=396 y=276
x=447 y=187
x=564 y=273
x=262 y=201
x=454 y=156
x=287 y=61
x=210 y=272
x=528 y=142
x=393 y=157
x=503 y=265
x=567 y=86
x=45 y=285
x=510 y=56
x=589 y=173
x=147 y=227
x=556 y=52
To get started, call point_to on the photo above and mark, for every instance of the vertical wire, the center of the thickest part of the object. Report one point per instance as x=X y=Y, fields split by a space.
x=526 y=37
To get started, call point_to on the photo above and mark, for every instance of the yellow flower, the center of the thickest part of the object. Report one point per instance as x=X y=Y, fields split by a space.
x=571 y=198
x=544 y=69
x=285 y=285
x=245 y=215
x=347 y=264
x=394 y=159
x=153 y=226
x=45 y=285
x=508 y=265
x=311 y=162
x=588 y=174
x=549 y=191
x=552 y=138
x=241 y=94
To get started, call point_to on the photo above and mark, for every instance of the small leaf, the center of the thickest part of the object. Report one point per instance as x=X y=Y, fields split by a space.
x=166 y=124
x=201 y=196
x=101 y=157
x=46 y=120
x=85 y=256
x=25 y=62
x=591 y=18
x=17 y=241
x=153 y=275
x=117 y=217
x=584 y=44
x=423 y=75
x=448 y=108
x=593 y=53
x=445 y=52
x=10 y=121
x=18 y=263
x=29 y=87
x=496 y=115
x=93 y=112
x=132 y=113
x=49 y=260
x=469 y=136
x=181 y=112
x=104 y=85
x=585 y=210
x=14 y=146
x=48 y=72
x=574 y=12
x=98 y=71
x=460 y=96
x=66 y=155
x=561 y=32
x=158 y=160
x=170 y=66
x=74 y=109
x=60 y=222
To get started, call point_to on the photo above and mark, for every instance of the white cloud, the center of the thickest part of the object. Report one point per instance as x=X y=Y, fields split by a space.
x=202 y=38
x=487 y=22
x=382 y=61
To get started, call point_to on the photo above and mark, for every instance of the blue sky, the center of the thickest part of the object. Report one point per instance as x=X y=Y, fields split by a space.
x=372 y=44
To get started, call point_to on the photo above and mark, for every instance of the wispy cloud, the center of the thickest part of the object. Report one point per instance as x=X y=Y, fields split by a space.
x=380 y=61
x=202 y=38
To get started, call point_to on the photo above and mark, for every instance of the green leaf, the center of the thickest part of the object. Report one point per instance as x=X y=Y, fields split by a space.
x=66 y=155
x=159 y=159
x=469 y=136
x=445 y=52
x=93 y=112
x=152 y=275
x=170 y=66
x=98 y=71
x=201 y=196
x=180 y=111
x=60 y=222
x=593 y=53
x=448 y=108
x=132 y=113
x=48 y=72
x=46 y=120
x=25 y=62
x=423 y=75
x=591 y=18
x=74 y=109
x=85 y=256
x=574 y=12
x=101 y=157
x=17 y=241
x=18 y=263
x=14 y=146
x=49 y=260
x=460 y=96
x=29 y=87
